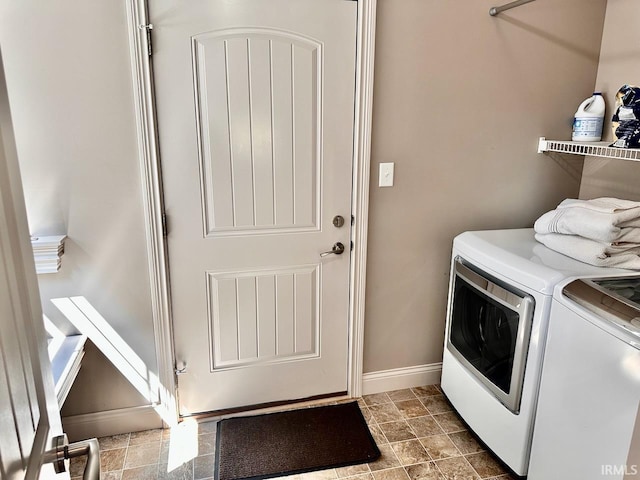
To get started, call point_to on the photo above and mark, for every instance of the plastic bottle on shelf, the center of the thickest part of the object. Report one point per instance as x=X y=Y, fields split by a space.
x=588 y=121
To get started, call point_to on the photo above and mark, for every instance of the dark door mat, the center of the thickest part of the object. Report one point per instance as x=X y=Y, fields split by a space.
x=296 y=441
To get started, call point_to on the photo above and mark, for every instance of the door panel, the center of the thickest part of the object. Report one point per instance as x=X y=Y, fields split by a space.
x=263 y=317
x=259 y=108
x=29 y=415
x=255 y=105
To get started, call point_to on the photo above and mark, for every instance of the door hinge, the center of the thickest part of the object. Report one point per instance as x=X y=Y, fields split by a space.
x=148 y=27
x=180 y=368
x=351 y=246
x=164 y=225
x=353 y=220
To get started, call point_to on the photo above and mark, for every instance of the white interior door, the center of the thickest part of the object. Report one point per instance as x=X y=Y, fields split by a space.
x=29 y=416
x=255 y=102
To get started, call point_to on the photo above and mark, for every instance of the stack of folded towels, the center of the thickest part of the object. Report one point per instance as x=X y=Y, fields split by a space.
x=604 y=231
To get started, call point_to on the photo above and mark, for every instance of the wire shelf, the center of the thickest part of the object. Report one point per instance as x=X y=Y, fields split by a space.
x=594 y=149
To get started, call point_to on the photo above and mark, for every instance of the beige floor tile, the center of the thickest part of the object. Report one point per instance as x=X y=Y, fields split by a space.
x=457 y=468
x=391 y=474
x=450 y=422
x=424 y=471
x=117 y=475
x=366 y=413
x=439 y=446
x=146 y=436
x=207 y=427
x=378 y=436
x=112 y=459
x=411 y=408
x=387 y=459
x=362 y=476
x=376 y=399
x=398 y=416
x=436 y=404
x=397 y=431
x=203 y=466
x=328 y=474
x=466 y=442
x=183 y=472
x=385 y=412
x=400 y=395
x=141 y=455
x=353 y=470
x=426 y=390
x=424 y=426
x=410 y=452
x=76 y=466
x=165 y=447
x=206 y=443
x=485 y=464
x=113 y=442
x=148 y=472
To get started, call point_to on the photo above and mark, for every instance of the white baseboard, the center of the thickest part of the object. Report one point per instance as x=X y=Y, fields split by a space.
x=134 y=419
x=111 y=422
x=399 y=378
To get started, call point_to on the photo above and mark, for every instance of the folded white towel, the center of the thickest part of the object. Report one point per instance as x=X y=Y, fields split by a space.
x=603 y=219
x=603 y=227
x=603 y=204
x=592 y=252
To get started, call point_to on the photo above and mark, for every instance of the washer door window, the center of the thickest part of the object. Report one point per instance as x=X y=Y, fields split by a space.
x=489 y=332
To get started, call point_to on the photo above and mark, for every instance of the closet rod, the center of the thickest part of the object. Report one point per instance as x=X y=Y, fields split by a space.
x=496 y=10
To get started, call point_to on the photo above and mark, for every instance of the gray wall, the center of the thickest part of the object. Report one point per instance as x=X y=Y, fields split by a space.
x=460 y=100
x=70 y=87
x=619 y=64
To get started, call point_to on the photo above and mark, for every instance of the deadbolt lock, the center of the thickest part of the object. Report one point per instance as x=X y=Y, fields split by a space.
x=338 y=221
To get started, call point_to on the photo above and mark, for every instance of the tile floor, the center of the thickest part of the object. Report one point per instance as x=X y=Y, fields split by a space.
x=418 y=433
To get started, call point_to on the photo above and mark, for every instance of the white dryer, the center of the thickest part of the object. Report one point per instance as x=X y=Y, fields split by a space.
x=500 y=294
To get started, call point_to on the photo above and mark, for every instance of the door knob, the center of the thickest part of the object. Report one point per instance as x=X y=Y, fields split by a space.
x=337 y=249
x=63 y=450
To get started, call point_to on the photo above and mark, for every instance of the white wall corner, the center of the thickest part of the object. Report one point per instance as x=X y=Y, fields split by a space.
x=399 y=378
x=111 y=422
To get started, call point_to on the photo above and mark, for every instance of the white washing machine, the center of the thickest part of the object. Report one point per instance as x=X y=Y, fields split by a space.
x=500 y=295
x=588 y=419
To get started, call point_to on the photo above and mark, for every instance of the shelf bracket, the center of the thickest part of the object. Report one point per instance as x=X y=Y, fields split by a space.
x=496 y=10
x=542 y=145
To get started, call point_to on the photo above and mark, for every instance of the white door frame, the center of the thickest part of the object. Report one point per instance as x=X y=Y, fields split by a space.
x=151 y=175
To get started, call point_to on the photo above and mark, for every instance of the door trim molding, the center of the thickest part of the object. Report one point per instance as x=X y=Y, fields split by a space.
x=153 y=204
x=151 y=177
x=361 y=173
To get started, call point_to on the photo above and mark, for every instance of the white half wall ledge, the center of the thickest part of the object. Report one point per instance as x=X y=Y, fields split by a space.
x=400 y=378
x=111 y=422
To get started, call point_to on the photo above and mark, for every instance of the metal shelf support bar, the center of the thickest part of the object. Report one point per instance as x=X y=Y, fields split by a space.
x=496 y=10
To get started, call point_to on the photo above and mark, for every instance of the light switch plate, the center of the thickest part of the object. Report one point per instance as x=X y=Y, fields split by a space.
x=385 y=178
